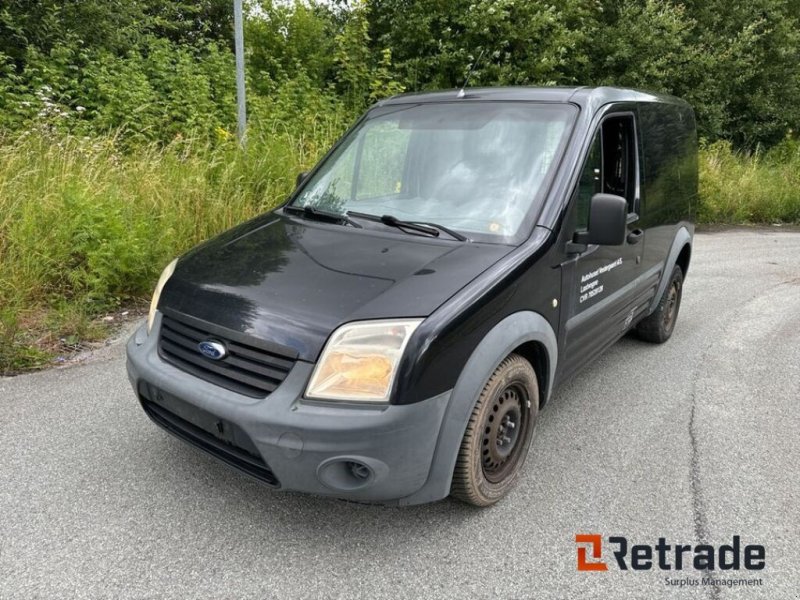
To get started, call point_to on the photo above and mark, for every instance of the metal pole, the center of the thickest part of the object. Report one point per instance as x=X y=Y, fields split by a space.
x=238 y=27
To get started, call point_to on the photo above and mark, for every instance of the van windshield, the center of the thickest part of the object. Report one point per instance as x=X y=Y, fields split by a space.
x=479 y=168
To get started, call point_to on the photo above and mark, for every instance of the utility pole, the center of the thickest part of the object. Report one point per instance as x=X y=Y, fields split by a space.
x=238 y=28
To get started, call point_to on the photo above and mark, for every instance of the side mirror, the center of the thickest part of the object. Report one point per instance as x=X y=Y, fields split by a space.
x=301 y=177
x=608 y=222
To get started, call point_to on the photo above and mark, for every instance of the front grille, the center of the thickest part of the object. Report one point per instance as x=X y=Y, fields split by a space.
x=252 y=367
x=237 y=457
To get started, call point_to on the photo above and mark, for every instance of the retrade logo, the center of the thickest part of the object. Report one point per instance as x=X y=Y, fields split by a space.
x=666 y=557
x=595 y=542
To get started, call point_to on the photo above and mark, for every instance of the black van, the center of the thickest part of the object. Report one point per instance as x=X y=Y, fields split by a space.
x=391 y=332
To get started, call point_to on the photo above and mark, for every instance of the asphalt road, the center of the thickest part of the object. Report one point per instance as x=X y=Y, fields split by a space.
x=695 y=440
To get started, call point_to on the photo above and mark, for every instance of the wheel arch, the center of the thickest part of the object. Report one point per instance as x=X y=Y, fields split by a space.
x=684 y=258
x=525 y=332
x=681 y=250
x=536 y=354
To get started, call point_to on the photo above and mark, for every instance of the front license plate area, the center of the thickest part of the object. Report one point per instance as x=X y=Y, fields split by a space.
x=221 y=429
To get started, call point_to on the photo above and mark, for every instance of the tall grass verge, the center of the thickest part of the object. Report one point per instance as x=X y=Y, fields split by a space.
x=756 y=187
x=85 y=227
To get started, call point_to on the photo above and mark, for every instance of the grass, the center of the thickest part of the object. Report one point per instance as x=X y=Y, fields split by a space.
x=750 y=188
x=86 y=227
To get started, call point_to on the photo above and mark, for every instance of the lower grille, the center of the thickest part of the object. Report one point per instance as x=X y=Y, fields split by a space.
x=235 y=456
x=252 y=367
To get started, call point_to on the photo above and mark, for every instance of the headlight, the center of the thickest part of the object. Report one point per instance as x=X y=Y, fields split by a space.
x=162 y=281
x=360 y=361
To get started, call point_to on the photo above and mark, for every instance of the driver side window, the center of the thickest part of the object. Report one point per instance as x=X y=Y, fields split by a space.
x=610 y=167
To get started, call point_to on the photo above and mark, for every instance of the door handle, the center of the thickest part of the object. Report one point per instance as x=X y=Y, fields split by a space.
x=635 y=236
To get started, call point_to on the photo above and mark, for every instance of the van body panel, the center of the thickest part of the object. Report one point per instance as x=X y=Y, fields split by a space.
x=528 y=279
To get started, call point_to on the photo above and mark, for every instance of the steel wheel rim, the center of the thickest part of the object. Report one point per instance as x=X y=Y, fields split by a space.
x=504 y=430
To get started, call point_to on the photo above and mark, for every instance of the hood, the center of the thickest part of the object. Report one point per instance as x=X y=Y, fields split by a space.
x=293 y=281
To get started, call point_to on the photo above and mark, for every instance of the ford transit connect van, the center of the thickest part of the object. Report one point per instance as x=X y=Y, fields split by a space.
x=392 y=331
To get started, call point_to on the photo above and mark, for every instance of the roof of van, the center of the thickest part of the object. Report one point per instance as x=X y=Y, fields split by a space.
x=582 y=96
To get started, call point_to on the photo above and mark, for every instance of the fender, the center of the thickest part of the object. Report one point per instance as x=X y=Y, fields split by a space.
x=508 y=334
x=682 y=237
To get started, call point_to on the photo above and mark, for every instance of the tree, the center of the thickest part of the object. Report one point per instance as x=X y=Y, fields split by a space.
x=738 y=64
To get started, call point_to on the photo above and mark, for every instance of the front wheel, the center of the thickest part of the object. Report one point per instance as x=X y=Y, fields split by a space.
x=498 y=434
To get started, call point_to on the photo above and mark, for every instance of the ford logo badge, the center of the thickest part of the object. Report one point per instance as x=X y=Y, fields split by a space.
x=213 y=350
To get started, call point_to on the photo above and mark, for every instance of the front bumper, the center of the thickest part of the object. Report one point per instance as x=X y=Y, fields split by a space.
x=288 y=442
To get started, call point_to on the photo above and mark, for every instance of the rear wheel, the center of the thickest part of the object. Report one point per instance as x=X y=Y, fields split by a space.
x=498 y=434
x=658 y=327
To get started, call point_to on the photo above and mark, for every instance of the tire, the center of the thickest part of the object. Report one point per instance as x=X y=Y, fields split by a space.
x=658 y=327
x=498 y=434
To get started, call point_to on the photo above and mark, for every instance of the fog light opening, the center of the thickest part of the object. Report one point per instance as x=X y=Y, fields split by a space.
x=358 y=470
x=346 y=473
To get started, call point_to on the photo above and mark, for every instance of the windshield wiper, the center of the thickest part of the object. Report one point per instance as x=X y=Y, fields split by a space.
x=312 y=212
x=431 y=229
